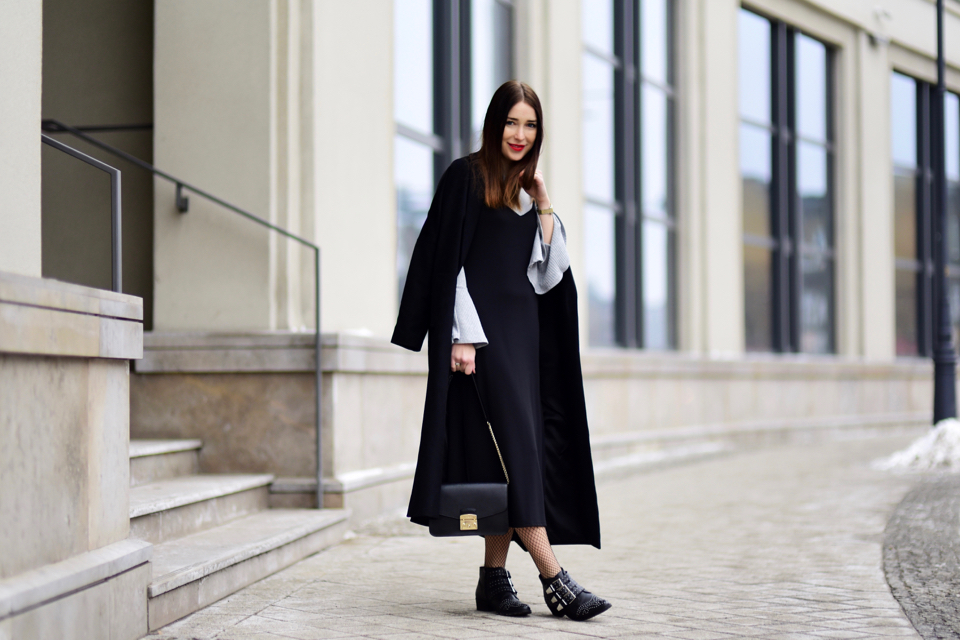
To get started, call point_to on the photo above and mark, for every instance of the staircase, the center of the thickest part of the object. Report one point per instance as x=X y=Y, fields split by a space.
x=212 y=534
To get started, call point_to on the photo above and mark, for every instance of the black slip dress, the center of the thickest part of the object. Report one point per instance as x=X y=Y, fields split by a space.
x=508 y=371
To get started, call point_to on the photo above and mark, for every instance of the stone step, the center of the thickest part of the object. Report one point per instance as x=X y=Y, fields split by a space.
x=197 y=570
x=176 y=507
x=152 y=460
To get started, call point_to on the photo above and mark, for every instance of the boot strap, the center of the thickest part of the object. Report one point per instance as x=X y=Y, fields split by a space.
x=562 y=592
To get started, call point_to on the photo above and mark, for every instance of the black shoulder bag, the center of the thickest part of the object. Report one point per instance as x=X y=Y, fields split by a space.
x=474 y=509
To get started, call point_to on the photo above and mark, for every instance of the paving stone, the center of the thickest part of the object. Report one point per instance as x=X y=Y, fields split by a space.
x=778 y=543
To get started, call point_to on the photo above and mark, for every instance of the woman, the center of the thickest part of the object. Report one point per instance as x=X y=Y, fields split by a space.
x=489 y=281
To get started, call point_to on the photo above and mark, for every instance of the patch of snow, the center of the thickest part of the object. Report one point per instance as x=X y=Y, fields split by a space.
x=938 y=450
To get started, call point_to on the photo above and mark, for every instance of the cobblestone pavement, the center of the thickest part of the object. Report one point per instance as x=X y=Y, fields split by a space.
x=921 y=556
x=783 y=542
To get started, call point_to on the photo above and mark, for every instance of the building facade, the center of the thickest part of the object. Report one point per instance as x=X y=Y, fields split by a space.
x=746 y=188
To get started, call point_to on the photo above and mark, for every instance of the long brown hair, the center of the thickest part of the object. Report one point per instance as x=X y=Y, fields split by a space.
x=501 y=176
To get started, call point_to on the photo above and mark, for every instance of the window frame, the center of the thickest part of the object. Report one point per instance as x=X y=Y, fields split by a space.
x=627 y=207
x=926 y=206
x=452 y=65
x=786 y=239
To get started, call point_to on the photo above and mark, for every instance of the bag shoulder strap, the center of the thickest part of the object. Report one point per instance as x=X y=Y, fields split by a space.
x=483 y=410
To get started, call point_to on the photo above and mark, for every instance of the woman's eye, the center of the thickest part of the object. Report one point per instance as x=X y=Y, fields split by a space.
x=532 y=125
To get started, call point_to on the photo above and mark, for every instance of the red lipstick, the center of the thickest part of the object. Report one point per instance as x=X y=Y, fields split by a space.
x=517 y=147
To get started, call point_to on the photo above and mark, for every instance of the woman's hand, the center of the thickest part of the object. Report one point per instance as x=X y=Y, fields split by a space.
x=539 y=191
x=463 y=358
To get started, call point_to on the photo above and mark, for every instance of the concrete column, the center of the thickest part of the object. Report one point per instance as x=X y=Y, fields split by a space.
x=556 y=25
x=355 y=206
x=691 y=324
x=877 y=288
x=228 y=103
x=720 y=217
x=848 y=214
x=20 y=71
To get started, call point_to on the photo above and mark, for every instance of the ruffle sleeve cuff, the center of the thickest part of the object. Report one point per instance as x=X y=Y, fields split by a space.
x=548 y=261
x=466 y=322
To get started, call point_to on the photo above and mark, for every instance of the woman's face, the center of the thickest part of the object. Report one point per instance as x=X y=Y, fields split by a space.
x=520 y=131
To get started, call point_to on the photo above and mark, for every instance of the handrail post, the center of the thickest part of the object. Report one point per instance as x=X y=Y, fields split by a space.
x=183 y=203
x=116 y=237
x=319 y=372
x=116 y=249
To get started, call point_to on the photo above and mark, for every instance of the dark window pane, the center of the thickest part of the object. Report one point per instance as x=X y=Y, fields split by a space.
x=755 y=170
x=413 y=63
x=905 y=215
x=754 y=67
x=814 y=196
x=903 y=119
x=811 y=88
x=597 y=24
x=598 y=128
x=413 y=176
x=601 y=279
x=758 y=298
x=816 y=305
x=953 y=291
x=653 y=138
x=906 y=310
x=491 y=42
x=952 y=133
x=656 y=285
x=953 y=222
x=654 y=39
x=952 y=125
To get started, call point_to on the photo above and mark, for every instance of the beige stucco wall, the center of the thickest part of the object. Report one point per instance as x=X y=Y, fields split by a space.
x=279 y=109
x=251 y=108
x=20 y=62
x=356 y=202
x=214 y=109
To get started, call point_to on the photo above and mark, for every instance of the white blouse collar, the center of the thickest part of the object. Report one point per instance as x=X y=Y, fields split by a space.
x=525 y=203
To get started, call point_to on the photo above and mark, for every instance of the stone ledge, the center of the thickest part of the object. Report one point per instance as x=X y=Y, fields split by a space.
x=51 y=318
x=285 y=351
x=346 y=482
x=144 y=448
x=757 y=427
x=177 y=492
x=63 y=296
x=613 y=363
x=193 y=557
x=274 y=351
x=33 y=588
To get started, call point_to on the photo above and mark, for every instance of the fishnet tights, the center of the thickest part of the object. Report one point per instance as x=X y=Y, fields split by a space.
x=534 y=539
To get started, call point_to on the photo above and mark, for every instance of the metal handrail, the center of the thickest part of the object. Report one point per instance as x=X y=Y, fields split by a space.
x=183 y=205
x=116 y=266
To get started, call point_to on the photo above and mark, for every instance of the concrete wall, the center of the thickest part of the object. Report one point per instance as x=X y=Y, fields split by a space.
x=235 y=109
x=20 y=59
x=64 y=499
x=355 y=209
x=261 y=124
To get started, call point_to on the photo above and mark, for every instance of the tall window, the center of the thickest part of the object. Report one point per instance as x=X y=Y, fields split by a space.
x=911 y=117
x=786 y=167
x=630 y=222
x=449 y=58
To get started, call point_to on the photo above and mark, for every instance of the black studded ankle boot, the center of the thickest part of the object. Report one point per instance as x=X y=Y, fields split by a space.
x=567 y=598
x=495 y=592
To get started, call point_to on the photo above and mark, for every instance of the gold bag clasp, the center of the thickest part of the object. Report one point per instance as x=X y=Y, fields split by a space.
x=468 y=522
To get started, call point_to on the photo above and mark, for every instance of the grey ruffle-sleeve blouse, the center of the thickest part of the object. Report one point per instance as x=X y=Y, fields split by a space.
x=545 y=270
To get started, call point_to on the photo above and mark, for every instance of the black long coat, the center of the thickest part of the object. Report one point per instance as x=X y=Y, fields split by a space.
x=427 y=307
